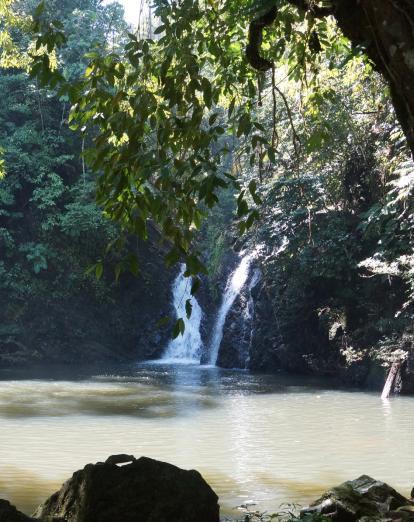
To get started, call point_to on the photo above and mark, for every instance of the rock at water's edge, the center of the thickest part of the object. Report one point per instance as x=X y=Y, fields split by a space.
x=144 y=490
x=359 y=499
x=9 y=513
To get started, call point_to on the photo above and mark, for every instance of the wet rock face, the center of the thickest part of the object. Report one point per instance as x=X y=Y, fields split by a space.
x=408 y=375
x=250 y=336
x=9 y=513
x=267 y=352
x=83 y=327
x=362 y=499
x=143 y=490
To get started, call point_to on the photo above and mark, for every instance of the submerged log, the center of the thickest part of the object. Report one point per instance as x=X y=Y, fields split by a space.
x=392 y=379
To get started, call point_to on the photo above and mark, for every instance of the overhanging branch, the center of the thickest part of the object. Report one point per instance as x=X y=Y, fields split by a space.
x=253 y=49
x=256 y=27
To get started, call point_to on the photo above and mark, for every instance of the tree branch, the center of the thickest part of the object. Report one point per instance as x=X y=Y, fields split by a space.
x=254 y=45
x=256 y=27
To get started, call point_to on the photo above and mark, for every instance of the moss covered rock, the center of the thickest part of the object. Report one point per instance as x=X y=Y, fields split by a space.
x=362 y=499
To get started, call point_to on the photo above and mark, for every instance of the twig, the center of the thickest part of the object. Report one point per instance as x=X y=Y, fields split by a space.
x=275 y=136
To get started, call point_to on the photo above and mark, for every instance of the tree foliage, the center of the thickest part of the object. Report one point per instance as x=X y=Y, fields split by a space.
x=164 y=113
x=169 y=121
x=51 y=229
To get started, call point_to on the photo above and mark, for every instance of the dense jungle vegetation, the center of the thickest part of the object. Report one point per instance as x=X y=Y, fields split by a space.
x=299 y=156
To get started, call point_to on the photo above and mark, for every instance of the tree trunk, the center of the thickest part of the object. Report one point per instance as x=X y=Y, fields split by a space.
x=385 y=29
x=391 y=380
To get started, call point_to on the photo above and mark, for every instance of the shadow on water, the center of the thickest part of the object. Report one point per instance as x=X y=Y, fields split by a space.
x=38 y=399
x=24 y=488
x=147 y=390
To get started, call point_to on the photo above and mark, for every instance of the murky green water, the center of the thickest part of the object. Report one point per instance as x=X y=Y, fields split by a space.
x=270 y=439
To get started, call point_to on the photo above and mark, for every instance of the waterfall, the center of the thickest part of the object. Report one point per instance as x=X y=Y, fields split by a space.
x=235 y=283
x=185 y=348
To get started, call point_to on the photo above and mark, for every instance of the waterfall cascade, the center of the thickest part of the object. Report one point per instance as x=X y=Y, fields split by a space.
x=188 y=348
x=234 y=285
x=185 y=348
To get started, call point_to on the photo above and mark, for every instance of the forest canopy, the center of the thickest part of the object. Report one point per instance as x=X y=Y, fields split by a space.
x=268 y=115
x=164 y=111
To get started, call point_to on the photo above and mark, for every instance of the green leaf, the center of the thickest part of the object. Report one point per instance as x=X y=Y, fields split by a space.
x=98 y=270
x=242 y=208
x=207 y=92
x=195 y=285
x=244 y=126
x=188 y=308
x=119 y=268
x=231 y=107
x=173 y=256
x=163 y=321
x=271 y=154
x=212 y=118
x=133 y=264
x=39 y=9
x=179 y=328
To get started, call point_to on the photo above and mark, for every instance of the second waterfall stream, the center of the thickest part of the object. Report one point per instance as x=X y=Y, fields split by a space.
x=234 y=285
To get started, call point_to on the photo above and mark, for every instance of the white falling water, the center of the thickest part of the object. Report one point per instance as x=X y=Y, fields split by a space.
x=235 y=283
x=186 y=348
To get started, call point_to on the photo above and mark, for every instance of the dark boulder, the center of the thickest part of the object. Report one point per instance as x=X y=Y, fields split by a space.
x=362 y=499
x=9 y=513
x=143 y=490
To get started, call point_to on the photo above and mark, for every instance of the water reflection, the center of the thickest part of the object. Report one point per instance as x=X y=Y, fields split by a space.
x=264 y=438
x=24 y=488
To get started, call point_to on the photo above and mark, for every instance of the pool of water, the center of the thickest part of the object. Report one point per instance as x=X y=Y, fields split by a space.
x=264 y=438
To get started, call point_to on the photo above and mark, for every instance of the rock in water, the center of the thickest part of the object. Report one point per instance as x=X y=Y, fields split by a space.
x=359 y=499
x=9 y=513
x=145 y=490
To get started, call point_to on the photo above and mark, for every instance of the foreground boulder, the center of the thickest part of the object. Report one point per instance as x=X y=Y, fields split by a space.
x=9 y=513
x=362 y=499
x=141 y=490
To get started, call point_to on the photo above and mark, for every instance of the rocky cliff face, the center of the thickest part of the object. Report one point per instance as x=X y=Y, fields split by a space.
x=266 y=332
x=250 y=336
